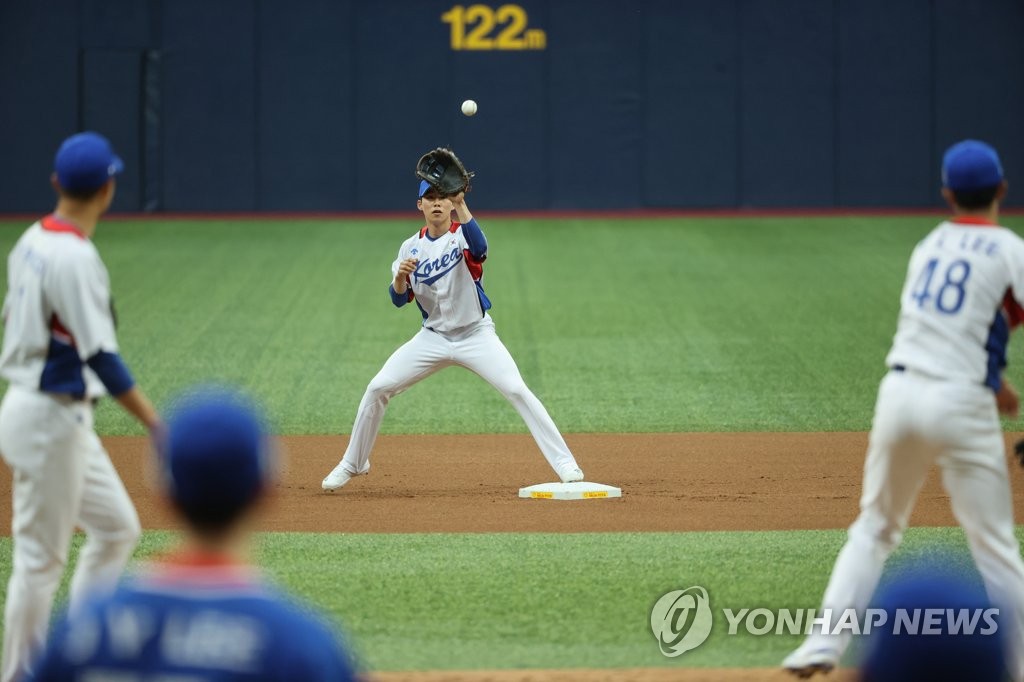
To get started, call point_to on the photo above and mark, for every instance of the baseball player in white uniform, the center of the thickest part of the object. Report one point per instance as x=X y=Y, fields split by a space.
x=440 y=268
x=940 y=402
x=59 y=355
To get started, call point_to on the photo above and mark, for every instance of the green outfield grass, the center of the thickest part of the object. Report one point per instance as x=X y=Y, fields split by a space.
x=711 y=324
x=479 y=601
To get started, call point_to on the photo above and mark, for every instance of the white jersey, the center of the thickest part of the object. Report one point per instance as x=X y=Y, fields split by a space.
x=57 y=312
x=961 y=298
x=446 y=283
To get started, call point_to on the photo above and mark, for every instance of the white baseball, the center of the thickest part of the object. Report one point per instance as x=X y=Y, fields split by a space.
x=469 y=107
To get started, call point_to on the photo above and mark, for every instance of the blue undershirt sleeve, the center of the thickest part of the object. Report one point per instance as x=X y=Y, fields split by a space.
x=112 y=372
x=398 y=299
x=475 y=238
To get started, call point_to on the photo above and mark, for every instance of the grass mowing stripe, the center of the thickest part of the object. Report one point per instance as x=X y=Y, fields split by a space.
x=683 y=324
x=477 y=601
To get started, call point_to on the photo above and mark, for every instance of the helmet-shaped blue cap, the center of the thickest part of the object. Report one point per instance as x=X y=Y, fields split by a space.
x=85 y=162
x=943 y=651
x=217 y=454
x=971 y=165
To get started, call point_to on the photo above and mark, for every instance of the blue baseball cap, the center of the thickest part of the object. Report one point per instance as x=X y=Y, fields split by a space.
x=217 y=456
x=971 y=165
x=977 y=653
x=85 y=161
x=424 y=188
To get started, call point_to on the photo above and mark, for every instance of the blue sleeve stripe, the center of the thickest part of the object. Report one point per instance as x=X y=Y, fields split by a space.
x=998 y=339
x=112 y=372
x=475 y=239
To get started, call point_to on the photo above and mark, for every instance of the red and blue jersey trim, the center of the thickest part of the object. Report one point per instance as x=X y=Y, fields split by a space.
x=1014 y=311
x=423 y=231
x=62 y=369
x=52 y=223
x=60 y=332
x=1009 y=315
x=476 y=267
x=972 y=220
x=197 y=570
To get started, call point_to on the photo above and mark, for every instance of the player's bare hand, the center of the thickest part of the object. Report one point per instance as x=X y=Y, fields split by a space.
x=459 y=198
x=1008 y=400
x=407 y=267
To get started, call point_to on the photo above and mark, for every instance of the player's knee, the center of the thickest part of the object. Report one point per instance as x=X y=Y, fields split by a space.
x=119 y=543
x=516 y=391
x=381 y=389
x=132 y=532
x=875 y=529
x=113 y=550
x=39 y=573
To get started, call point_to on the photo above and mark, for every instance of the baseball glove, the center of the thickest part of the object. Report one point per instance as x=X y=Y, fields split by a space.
x=443 y=170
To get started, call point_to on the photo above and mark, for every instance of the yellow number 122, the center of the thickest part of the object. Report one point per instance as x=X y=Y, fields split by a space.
x=481 y=20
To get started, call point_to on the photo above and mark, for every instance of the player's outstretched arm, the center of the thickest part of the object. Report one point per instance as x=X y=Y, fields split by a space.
x=121 y=385
x=461 y=208
x=470 y=229
x=135 y=402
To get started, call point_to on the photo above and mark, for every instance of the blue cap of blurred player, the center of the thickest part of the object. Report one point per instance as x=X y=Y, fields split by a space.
x=85 y=161
x=424 y=188
x=217 y=455
x=971 y=165
x=971 y=654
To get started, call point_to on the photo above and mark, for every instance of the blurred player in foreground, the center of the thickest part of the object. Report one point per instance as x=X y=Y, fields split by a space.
x=974 y=653
x=940 y=403
x=440 y=267
x=201 y=613
x=60 y=355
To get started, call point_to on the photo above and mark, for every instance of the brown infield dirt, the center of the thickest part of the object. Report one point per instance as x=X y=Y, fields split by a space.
x=670 y=482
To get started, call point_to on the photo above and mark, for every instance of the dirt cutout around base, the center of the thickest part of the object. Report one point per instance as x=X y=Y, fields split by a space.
x=670 y=482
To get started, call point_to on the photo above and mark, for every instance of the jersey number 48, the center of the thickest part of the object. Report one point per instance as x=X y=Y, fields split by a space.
x=949 y=296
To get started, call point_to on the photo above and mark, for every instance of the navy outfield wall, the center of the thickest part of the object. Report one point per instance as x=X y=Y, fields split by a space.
x=293 y=105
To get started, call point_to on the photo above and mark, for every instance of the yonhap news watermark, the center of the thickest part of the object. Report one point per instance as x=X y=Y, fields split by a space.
x=682 y=620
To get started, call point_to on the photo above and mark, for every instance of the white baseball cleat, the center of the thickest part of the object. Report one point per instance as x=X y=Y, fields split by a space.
x=811 y=658
x=570 y=474
x=340 y=476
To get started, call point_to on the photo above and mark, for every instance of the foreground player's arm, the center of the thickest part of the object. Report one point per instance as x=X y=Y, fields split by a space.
x=135 y=402
x=470 y=229
x=401 y=293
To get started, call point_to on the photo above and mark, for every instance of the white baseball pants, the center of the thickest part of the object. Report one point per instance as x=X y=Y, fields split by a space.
x=918 y=421
x=63 y=478
x=478 y=349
